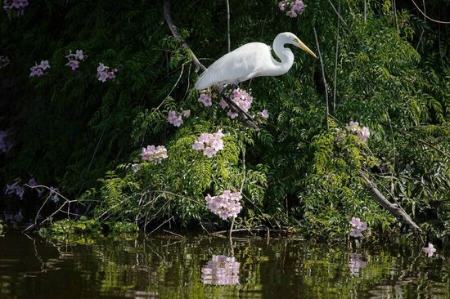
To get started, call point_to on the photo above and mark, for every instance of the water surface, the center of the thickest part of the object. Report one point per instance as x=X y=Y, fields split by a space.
x=202 y=267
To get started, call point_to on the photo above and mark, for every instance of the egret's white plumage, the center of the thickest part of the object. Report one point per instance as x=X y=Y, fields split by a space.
x=252 y=60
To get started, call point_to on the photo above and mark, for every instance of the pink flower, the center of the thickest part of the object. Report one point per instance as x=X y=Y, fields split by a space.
x=79 y=55
x=293 y=8
x=75 y=59
x=38 y=70
x=363 y=133
x=241 y=98
x=429 y=250
x=44 y=65
x=227 y=205
x=210 y=144
x=264 y=114
x=154 y=153
x=358 y=227
x=205 y=100
x=105 y=73
x=232 y=114
x=282 y=5
x=15 y=5
x=73 y=64
x=174 y=118
x=223 y=104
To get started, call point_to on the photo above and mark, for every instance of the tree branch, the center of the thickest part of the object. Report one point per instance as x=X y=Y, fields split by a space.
x=178 y=37
x=394 y=209
x=228 y=25
x=323 y=75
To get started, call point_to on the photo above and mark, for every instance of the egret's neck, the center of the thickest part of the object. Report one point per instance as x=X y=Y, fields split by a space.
x=284 y=54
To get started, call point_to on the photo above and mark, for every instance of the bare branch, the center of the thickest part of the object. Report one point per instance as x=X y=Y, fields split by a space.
x=323 y=75
x=337 y=13
x=429 y=18
x=228 y=25
x=177 y=35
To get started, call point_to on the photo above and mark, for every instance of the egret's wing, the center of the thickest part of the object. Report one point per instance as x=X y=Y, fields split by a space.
x=235 y=66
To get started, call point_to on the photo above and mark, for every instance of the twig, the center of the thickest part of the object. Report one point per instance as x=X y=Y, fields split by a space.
x=365 y=11
x=336 y=61
x=228 y=25
x=231 y=228
x=323 y=74
x=172 y=233
x=337 y=13
x=429 y=18
x=176 y=83
x=178 y=37
x=244 y=169
x=160 y=225
x=394 y=209
x=394 y=8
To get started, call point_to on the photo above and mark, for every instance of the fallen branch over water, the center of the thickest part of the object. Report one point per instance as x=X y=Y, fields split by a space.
x=394 y=209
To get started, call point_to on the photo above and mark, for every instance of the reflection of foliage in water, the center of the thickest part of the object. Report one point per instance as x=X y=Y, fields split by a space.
x=172 y=268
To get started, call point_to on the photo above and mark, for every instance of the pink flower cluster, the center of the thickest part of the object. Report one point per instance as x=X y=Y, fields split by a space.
x=358 y=227
x=105 y=73
x=221 y=270
x=362 y=132
x=38 y=70
x=5 y=145
x=15 y=5
x=176 y=119
x=226 y=205
x=75 y=59
x=154 y=153
x=429 y=250
x=4 y=61
x=15 y=189
x=205 y=99
x=241 y=98
x=210 y=144
x=293 y=8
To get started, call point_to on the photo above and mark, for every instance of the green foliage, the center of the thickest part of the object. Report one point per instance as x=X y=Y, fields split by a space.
x=67 y=227
x=334 y=190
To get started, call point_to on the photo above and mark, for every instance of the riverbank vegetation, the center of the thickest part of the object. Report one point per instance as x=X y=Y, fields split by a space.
x=87 y=85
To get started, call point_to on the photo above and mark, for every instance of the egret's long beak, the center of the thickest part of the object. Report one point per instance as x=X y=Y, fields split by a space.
x=302 y=46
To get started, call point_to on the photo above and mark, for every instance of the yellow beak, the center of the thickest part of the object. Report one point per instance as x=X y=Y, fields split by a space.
x=302 y=46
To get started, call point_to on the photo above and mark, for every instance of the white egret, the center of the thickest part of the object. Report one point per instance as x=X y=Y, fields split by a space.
x=252 y=60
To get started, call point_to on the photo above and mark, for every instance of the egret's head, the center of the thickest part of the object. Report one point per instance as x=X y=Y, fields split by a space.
x=294 y=40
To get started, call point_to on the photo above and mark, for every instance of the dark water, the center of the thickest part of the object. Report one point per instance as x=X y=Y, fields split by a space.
x=165 y=267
